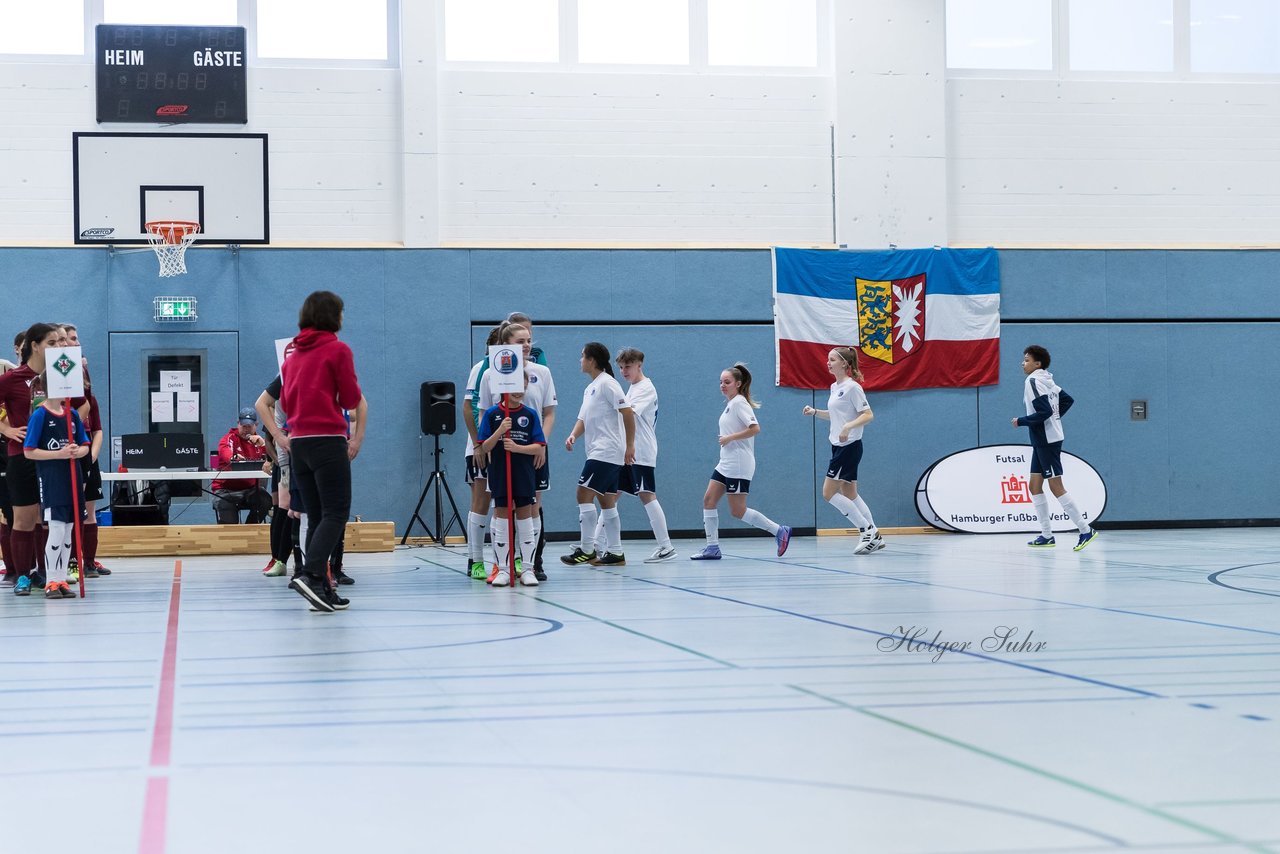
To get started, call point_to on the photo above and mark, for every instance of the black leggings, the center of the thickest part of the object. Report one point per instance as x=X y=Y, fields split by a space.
x=323 y=474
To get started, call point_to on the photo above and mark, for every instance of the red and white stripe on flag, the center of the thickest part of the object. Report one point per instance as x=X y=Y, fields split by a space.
x=918 y=318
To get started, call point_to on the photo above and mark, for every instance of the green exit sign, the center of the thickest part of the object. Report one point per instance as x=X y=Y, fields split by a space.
x=169 y=309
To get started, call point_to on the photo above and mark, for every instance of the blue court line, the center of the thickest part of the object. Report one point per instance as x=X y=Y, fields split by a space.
x=1215 y=578
x=1007 y=596
x=66 y=732
x=458 y=676
x=608 y=623
x=928 y=644
x=475 y=719
x=688 y=774
x=1045 y=773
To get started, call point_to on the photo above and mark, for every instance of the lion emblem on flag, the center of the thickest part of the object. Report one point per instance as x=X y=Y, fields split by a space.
x=891 y=318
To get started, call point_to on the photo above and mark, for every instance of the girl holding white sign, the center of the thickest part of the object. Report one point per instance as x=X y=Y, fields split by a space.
x=848 y=411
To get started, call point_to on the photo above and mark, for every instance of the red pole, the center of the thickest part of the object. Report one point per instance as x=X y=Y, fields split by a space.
x=75 y=499
x=511 y=501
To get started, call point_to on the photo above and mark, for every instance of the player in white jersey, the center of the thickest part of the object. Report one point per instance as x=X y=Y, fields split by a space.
x=848 y=411
x=540 y=396
x=609 y=427
x=1046 y=403
x=478 y=516
x=639 y=479
x=732 y=475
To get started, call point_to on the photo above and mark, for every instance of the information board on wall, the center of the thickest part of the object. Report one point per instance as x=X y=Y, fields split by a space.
x=165 y=75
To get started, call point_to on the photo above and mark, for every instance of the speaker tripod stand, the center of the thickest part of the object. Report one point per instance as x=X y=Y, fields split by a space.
x=435 y=481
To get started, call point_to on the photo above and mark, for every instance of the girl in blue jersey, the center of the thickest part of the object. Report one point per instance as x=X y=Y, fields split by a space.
x=848 y=411
x=47 y=444
x=732 y=475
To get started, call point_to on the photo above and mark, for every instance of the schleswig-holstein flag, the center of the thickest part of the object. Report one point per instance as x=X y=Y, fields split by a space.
x=919 y=318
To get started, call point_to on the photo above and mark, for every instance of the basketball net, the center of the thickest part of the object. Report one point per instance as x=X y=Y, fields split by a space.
x=170 y=240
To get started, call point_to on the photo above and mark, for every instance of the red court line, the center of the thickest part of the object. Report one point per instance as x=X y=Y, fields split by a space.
x=156 y=806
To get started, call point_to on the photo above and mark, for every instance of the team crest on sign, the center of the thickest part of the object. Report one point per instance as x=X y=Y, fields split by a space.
x=64 y=365
x=506 y=362
x=891 y=318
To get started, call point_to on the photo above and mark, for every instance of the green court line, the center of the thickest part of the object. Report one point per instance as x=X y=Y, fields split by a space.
x=601 y=620
x=1041 y=772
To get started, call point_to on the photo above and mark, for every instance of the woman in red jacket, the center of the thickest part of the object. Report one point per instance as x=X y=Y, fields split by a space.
x=318 y=385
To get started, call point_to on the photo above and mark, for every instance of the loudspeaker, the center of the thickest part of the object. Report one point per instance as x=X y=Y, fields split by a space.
x=439 y=409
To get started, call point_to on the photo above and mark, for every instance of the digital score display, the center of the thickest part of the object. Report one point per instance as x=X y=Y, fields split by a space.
x=171 y=75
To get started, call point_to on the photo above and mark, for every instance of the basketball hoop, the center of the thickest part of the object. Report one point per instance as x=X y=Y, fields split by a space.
x=170 y=239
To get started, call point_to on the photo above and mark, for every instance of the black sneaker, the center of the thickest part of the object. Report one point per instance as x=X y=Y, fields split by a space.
x=102 y=570
x=338 y=603
x=577 y=557
x=539 y=573
x=313 y=590
x=340 y=577
x=38 y=579
x=610 y=559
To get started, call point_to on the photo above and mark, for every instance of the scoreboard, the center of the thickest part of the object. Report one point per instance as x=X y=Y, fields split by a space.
x=171 y=75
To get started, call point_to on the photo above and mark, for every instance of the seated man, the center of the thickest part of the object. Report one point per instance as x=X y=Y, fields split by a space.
x=231 y=495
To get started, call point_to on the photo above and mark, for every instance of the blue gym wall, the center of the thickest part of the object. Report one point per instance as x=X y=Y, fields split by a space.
x=1184 y=330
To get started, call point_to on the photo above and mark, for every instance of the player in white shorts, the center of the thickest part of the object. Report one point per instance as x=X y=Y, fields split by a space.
x=848 y=411
x=640 y=479
x=732 y=475
x=608 y=424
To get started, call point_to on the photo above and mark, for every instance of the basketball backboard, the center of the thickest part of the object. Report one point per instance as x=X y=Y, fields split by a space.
x=124 y=180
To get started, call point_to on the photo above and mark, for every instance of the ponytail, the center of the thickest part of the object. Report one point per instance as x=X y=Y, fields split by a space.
x=598 y=353
x=37 y=333
x=743 y=376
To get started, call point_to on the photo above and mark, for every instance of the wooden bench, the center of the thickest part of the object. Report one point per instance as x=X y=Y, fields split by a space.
x=189 y=540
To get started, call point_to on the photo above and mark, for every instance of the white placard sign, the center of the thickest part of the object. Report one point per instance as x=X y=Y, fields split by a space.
x=161 y=406
x=281 y=344
x=175 y=381
x=188 y=406
x=506 y=368
x=985 y=491
x=64 y=372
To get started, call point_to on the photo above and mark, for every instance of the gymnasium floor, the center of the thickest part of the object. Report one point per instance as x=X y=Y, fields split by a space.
x=755 y=705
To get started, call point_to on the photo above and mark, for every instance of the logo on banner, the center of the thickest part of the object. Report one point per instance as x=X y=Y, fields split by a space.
x=506 y=362
x=1013 y=490
x=891 y=317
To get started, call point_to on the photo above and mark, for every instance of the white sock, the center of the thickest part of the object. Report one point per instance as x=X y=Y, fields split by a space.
x=612 y=529
x=756 y=519
x=1041 y=503
x=849 y=509
x=56 y=551
x=304 y=527
x=476 y=523
x=499 y=534
x=865 y=511
x=711 y=524
x=1074 y=512
x=587 y=527
x=658 y=521
x=528 y=541
x=536 y=519
x=599 y=538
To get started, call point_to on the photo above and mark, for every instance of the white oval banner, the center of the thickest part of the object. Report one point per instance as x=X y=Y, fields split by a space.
x=985 y=491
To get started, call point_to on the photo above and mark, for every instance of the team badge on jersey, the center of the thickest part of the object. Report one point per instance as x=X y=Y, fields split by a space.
x=891 y=318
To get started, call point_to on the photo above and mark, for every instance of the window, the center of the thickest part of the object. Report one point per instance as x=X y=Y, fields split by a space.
x=321 y=29
x=1136 y=35
x=762 y=32
x=1000 y=34
x=220 y=13
x=654 y=32
x=502 y=31
x=1235 y=36
x=46 y=27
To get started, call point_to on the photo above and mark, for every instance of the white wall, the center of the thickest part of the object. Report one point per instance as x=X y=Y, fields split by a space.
x=1058 y=162
x=462 y=156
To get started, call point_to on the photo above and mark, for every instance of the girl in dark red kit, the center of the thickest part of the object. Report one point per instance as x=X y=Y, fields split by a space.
x=318 y=385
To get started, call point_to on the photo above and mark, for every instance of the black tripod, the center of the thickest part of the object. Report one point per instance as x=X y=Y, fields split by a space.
x=437 y=480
